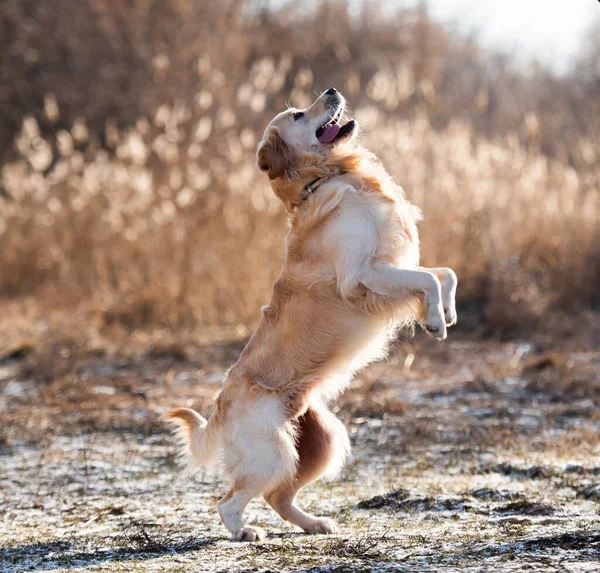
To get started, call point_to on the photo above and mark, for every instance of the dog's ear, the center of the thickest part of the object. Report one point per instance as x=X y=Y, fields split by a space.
x=274 y=156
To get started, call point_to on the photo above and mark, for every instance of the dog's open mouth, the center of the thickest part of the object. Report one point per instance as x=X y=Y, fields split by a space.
x=332 y=131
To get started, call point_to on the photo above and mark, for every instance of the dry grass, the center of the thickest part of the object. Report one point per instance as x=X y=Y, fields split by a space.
x=151 y=212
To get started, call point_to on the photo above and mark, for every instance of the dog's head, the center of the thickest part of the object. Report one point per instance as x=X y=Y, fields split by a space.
x=297 y=137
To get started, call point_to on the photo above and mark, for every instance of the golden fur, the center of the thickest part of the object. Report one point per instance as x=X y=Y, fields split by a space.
x=350 y=279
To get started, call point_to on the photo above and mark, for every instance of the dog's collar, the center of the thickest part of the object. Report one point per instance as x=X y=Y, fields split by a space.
x=311 y=188
x=315 y=184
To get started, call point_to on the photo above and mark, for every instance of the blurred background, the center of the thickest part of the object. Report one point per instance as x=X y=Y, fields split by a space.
x=130 y=199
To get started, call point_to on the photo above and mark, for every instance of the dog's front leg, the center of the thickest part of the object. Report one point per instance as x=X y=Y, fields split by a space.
x=449 y=282
x=389 y=281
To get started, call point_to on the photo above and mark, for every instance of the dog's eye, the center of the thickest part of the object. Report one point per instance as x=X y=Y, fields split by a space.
x=298 y=115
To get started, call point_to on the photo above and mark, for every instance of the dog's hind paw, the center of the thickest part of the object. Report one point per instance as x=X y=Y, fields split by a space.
x=322 y=525
x=249 y=533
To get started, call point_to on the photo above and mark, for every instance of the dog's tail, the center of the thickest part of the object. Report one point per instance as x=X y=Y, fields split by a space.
x=198 y=438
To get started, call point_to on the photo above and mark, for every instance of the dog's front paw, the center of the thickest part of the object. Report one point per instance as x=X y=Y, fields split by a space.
x=322 y=525
x=249 y=533
x=450 y=315
x=435 y=325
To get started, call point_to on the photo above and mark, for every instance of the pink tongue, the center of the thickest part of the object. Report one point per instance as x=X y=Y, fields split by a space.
x=329 y=133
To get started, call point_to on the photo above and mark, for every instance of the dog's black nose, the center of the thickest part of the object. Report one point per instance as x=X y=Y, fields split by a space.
x=331 y=91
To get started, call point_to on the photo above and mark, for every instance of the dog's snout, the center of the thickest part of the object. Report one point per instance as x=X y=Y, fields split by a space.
x=333 y=99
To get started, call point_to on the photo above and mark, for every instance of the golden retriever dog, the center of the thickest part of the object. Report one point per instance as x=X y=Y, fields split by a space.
x=350 y=279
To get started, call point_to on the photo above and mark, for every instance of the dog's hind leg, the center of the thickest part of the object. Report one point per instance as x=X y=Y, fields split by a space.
x=322 y=445
x=259 y=453
x=231 y=509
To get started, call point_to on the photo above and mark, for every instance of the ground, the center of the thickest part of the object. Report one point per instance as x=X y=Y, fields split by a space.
x=472 y=454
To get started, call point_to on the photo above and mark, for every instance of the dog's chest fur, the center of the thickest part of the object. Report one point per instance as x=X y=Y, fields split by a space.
x=383 y=229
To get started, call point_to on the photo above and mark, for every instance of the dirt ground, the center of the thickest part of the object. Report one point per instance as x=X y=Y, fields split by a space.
x=468 y=455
